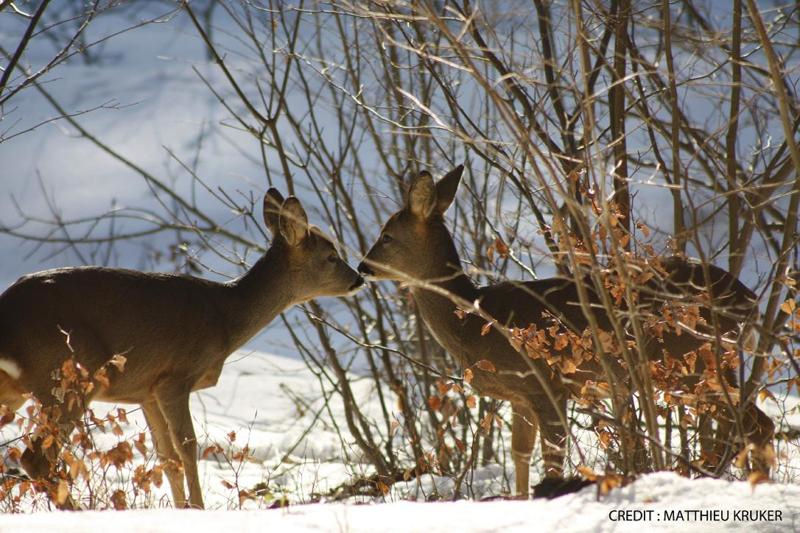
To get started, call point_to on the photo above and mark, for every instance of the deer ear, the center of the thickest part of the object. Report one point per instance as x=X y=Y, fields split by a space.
x=422 y=195
x=272 y=209
x=446 y=189
x=293 y=221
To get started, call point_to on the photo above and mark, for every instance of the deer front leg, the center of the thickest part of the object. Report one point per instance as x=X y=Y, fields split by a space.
x=173 y=401
x=523 y=437
x=166 y=452
x=38 y=462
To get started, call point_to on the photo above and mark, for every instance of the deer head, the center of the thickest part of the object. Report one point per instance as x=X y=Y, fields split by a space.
x=414 y=243
x=312 y=262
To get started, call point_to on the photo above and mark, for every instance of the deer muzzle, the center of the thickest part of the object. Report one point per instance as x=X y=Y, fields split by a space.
x=359 y=282
x=364 y=269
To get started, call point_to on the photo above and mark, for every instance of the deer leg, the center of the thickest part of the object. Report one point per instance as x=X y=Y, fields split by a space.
x=759 y=431
x=64 y=401
x=38 y=462
x=715 y=446
x=523 y=438
x=173 y=401
x=553 y=436
x=708 y=448
x=159 y=430
x=723 y=445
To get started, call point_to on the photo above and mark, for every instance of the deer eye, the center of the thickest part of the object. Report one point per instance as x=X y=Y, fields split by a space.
x=386 y=238
x=332 y=258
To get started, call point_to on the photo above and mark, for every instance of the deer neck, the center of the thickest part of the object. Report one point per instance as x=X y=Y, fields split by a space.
x=253 y=300
x=438 y=301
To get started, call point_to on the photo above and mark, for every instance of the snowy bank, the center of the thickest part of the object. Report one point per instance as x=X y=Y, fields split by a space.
x=661 y=502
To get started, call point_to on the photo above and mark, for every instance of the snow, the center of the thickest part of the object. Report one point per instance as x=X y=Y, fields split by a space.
x=656 y=495
x=276 y=407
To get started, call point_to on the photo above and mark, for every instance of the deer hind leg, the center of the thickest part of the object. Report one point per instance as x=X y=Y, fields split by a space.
x=707 y=437
x=159 y=430
x=523 y=438
x=759 y=432
x=723 y=446
x=553 y=436
x=758 y=429
x=173 y=401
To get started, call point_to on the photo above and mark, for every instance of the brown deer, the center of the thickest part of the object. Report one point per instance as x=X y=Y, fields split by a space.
x=416 y=247
x=175 y=332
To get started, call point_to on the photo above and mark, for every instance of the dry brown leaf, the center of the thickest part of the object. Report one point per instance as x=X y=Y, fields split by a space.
x=486 y=365
x=139 y=444
x=587 y=472
x=118 y=361
x=763 y=394
x=468 y=375
x=561 y=341
x=434 y=402
x=118 y=500
x=609 y=482
x=158 y=475
x=62 y=493
x=214 y=448
x=48 y=441
x=486 y=422
x=568 y=366
x=101 y=376
x=383 y=487
x=756 y=478
x=741 y=458
x=501 y=247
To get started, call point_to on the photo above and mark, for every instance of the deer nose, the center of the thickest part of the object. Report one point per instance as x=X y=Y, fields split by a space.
x=364 y=269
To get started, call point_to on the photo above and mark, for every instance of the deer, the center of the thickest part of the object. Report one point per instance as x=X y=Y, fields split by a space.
x=174 y=331
x=416 y=248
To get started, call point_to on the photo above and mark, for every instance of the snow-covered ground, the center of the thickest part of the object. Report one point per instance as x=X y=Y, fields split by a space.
x=275 y=407
x=660 y=502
